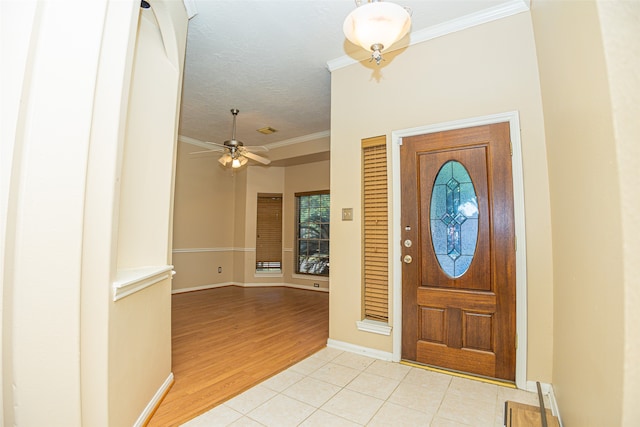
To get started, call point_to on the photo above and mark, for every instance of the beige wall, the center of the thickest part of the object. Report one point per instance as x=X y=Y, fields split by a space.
x=67 y=347
x=215 y=218
x=590 y=123
x=140 y=324
x=619 y=25
x=480 y=71
x=204 y=220
x=260 y=179
x=300 y=178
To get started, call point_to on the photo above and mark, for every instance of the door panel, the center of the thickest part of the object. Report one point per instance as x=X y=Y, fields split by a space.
x=459 y=291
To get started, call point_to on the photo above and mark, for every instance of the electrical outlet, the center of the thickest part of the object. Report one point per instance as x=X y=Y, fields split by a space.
x=219 y=269
x=316 y=285
x=347 y=214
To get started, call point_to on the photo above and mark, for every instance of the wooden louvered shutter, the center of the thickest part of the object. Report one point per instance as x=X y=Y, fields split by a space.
x=269 y=232
x=375 y=229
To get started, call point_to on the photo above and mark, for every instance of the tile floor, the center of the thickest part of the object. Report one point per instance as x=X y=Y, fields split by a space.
x=337 y=388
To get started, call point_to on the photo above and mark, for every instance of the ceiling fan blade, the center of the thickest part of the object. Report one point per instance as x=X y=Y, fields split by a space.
x=214 y=150
x=256 y=148
x=214 y=143
x=257 y=158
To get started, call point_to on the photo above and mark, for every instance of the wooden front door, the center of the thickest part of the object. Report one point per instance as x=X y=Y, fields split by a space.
x=458 y=277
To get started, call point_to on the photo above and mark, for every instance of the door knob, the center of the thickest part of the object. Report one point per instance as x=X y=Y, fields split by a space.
x=407 y=259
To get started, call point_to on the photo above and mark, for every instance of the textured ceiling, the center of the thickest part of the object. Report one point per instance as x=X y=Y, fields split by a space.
x=269 y=60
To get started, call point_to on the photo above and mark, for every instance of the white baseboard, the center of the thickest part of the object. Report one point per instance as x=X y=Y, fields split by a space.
x=365 y=351
x=249 y=285
x=531 y=386
x=555 y=409
x=201 y=288
x=547 y=390
x=143 y=418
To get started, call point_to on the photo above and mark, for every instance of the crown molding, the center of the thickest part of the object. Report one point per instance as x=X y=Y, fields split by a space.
x=504 y=10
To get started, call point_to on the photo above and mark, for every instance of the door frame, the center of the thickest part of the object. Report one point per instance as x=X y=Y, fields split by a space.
x=512 y=117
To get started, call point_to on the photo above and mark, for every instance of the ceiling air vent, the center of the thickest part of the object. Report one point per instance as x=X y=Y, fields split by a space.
x=268 y=130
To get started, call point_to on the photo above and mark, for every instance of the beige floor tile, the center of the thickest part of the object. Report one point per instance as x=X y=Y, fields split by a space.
x=394 y=415
x=498 y=421
x=321 y=418
x=515 y=395
x=281 y=411
x=386 y=369
x=472 y=389
x=335 y=374
x=328 y=354
x=417 y=397
x=220 y=416
x=312 y=391
x=246 y=422
x=352 y=360
x=250 y=399
x=373 y=385
x=478 y=413
x=308 y=365
x=443 y=422
x=354 y=406
x=283 y=380
x=433 y=380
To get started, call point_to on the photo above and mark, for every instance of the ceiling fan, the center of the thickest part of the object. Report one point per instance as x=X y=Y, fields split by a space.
x=234 y=151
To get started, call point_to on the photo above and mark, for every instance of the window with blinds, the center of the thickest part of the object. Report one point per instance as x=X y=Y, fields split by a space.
x=269 y=232
x=375 y=229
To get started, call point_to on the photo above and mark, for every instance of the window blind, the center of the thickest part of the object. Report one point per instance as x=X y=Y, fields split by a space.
x=375 y=229
x=269 y=232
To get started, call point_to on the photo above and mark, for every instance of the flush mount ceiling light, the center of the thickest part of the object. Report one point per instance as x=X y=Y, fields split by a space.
x=376 y=25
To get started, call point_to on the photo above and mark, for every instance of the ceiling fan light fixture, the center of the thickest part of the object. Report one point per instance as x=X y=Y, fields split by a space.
x=238 y=162
x=376 y=25
x=224 y=159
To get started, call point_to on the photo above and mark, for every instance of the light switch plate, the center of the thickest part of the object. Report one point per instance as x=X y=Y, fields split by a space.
x=347 y=214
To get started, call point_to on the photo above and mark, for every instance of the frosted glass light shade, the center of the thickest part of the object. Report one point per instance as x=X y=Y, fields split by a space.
x=377 y=23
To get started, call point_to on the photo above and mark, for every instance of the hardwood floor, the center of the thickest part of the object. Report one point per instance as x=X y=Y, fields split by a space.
x=226 y=340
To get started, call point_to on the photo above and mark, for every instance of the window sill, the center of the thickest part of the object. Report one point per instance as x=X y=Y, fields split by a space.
x=374 y=326
x=277 y=273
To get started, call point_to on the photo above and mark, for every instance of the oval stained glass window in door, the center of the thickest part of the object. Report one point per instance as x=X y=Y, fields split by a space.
x=454 y=218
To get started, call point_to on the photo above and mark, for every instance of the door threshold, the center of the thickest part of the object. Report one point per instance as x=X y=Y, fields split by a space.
x=502 y=383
